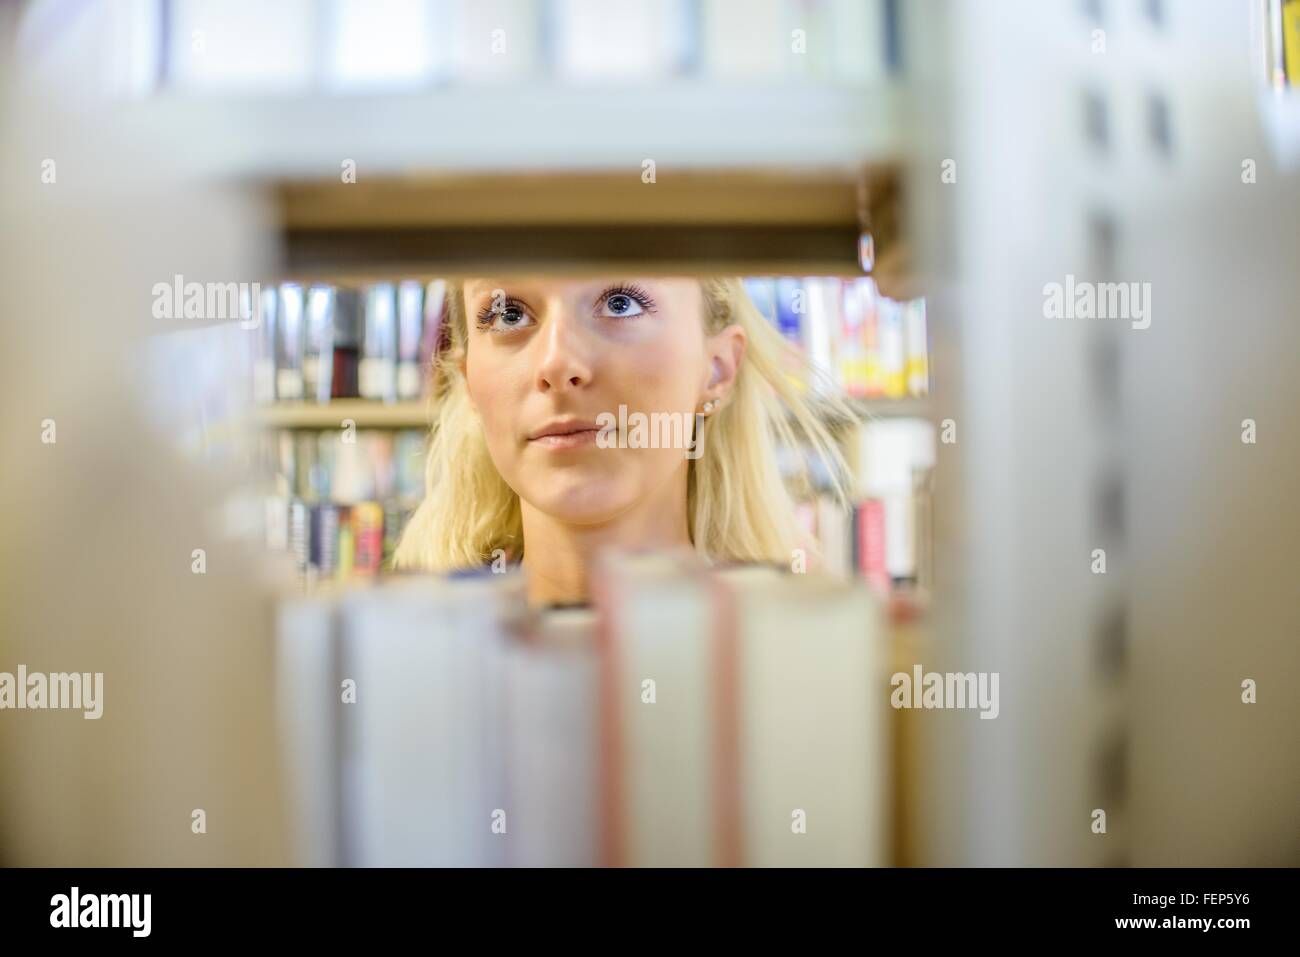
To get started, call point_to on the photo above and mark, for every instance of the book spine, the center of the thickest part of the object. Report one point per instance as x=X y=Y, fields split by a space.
x=368 y=538
x=873 y=375
x=264 y=346
x=410 y=331
x=918 y=348
x=288 y=359
x=729 y=815
x=1291 y=41
x=853 y=355
x=377 y=373
x=613 y=852
x=871 y=532
x=893 y=349
x=317 y=364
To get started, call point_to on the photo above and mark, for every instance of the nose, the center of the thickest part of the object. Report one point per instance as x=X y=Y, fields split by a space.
x=565 y=361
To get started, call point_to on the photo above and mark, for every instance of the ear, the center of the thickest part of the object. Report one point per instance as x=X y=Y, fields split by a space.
x=725 y=350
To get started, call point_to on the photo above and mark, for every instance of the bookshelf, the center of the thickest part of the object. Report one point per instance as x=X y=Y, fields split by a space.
x=370 y=414
x=686 y=222
x=364 y=413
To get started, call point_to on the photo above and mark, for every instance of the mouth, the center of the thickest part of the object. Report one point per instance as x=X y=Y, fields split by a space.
x=565 y=435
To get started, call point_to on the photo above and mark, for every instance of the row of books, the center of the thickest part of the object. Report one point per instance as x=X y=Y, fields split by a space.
x=860 y=343
x=690 y=716
x=343 y=466
x=882 y=541
x=883 y=533
x=1282 y=42
x=377 y=342
x=338 y=500
x=330 y=542
x=322 y=342
x=363 y=46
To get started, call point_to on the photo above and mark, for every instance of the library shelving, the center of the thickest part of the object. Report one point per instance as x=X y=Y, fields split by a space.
x=362 y=413
x=370 y=414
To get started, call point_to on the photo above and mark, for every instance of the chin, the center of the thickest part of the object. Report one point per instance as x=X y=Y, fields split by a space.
x=579 y=499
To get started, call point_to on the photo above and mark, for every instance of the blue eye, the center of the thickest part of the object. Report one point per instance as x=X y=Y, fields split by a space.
x=625 y=301
x=623 y=305
x=508 y=318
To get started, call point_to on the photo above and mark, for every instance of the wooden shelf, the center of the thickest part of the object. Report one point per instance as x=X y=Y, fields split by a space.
x=913 y=406
x=751 y=178
x=369 y=414
x=865 y=410
x=688 y=222
x=365 y=413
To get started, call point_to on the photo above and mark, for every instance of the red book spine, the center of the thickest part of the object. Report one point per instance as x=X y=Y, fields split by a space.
x=871 y=544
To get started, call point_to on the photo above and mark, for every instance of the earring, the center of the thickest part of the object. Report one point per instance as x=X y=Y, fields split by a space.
x=708 y=407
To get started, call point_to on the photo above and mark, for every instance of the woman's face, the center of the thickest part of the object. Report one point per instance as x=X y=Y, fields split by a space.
x=549 y=362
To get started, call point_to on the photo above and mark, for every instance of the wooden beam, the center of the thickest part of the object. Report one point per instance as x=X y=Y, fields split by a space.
x=700 y=222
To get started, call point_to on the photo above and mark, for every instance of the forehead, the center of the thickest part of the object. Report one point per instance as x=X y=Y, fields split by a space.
x=543 y=286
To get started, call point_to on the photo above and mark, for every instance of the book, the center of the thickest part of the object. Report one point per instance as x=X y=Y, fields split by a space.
x=308 y=715
x=659 y=719
x=410 y=330
x=289 y=344
x=263 y=310
x=318 y=325
x=852 y=358
x=808 y=668
x=345 y=341
x=917 y=363
x=549 y=695
x=1291 y=40
x=418 y=787
x=893 y=348
x=741 y=715
x=824 y=298
x=377 y=372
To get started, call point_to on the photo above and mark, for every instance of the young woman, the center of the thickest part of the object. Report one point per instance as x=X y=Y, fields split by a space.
x=580 y=414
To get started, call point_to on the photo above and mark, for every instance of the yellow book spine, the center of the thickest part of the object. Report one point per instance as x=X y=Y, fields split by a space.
x=1291 y=40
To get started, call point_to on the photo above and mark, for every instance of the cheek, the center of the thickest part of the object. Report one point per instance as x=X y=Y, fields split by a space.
x=660 y=373
x=494 y=390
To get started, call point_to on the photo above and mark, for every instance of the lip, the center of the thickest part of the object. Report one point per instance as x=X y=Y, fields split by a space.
x=565 y=434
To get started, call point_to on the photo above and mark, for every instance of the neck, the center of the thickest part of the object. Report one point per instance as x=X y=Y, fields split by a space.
x=558 y=555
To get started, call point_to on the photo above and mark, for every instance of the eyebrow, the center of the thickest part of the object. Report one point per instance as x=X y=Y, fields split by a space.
x=475 y=286
x=480 y=287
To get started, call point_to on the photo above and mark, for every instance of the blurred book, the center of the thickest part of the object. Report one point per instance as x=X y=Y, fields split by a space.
x=743 y=717
x=496 y=40
x=377 y=372
x=337 y=499
x=549 y=694
x=418 y=787
x=410 y=328
x=345 y=353
x=289 y=344
x=1290 y=28
x=621 y=40
x=857 y=342
x=318 y=329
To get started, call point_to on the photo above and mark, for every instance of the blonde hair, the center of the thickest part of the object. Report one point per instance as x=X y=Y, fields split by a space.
x=738 y=505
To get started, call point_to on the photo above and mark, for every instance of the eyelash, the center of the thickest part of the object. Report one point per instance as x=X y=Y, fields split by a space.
x=487 y=315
